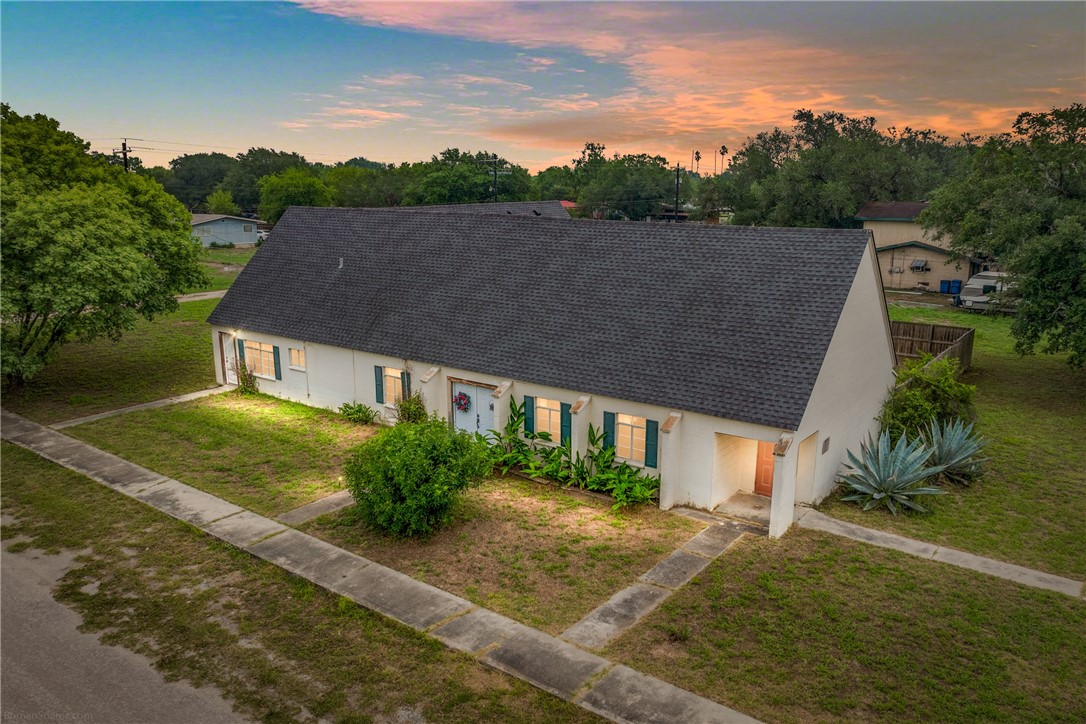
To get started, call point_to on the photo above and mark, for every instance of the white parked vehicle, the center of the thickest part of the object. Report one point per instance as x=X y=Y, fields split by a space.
x=977 y=294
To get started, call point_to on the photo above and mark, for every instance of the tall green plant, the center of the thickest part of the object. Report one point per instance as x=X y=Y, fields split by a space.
x=926 y=390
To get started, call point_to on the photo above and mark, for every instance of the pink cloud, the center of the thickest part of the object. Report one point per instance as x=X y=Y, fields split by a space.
x=699 y=78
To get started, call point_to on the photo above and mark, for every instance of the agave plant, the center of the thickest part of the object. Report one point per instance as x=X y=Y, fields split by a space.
x=890 y=476
x=955 y=447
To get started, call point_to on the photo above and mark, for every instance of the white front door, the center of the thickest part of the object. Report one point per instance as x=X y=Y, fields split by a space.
x=472 y=408
x=227 y=353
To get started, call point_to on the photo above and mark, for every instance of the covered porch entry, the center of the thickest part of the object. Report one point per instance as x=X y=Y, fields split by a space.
x=746 y=470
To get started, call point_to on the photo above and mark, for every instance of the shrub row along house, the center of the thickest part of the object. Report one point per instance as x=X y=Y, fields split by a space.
x=724 y=359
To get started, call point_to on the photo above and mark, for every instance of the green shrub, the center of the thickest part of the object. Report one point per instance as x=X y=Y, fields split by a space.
x=221 y=245
x=358 y=412
x=926 y=392
x=247 y=384
x=890 y=476
x=410 y=409
x=407 y=479
x=514 y=449
x=956 y=449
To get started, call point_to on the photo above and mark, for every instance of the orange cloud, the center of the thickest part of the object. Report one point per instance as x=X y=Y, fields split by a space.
x=702 y=74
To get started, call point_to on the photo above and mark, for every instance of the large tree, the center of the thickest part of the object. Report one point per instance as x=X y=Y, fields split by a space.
x=1023 y=203
x=630 y=186
x=823 y=169
x=293 y=187
x=243 y=179
x=88 y=249
x=195 y=175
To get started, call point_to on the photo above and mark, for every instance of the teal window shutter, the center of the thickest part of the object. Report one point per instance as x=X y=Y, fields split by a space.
x=652 y=443
x=405 y=380
x=379 y=375
x=241 y=352
x=529 y=414
x=608 y=429
x=567 y=424
x=278 y=369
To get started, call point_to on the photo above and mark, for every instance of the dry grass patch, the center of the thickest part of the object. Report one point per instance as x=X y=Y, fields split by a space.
x=543 y=555
x=261 y=453
x=280 y=648
x=818 y=628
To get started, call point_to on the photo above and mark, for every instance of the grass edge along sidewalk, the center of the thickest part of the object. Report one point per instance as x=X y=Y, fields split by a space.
x=544 y=661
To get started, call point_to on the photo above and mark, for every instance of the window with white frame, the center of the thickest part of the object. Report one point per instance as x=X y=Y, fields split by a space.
x=247 y=228
x=548 y=417
x=260 y=358
x=297 y=359
x=393 y=385
x=630 y=438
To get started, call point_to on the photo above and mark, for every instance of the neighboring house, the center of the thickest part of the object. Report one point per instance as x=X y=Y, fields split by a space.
x=223 y=229
x=704 y=353
x=909 y=256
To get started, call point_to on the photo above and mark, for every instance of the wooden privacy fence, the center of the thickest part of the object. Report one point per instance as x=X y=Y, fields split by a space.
x=912 y=339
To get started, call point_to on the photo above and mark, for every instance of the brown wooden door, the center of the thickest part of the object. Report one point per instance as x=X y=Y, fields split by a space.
x=763 y=469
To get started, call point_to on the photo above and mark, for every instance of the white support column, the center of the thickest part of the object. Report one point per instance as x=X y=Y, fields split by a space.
x=783 y=500
x=501 y=404
x=578 y=425
x=670 y=459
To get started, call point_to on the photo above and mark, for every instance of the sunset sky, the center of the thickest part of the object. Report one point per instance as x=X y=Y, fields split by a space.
x=333 y=79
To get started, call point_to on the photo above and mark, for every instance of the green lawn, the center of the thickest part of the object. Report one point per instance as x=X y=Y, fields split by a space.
x=222 y=267
x=280 y=648
x=170 y=356
x=817 y=628
x=540 y=554
x=1030 y=507
x=264 y=454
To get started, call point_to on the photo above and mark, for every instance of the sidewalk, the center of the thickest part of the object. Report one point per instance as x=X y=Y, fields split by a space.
x=592 y=682
x=144 y=406
x=813 y=520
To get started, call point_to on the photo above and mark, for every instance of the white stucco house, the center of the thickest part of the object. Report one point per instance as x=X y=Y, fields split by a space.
x=725 y=359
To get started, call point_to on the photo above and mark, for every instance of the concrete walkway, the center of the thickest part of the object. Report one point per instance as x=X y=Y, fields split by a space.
x=328 y=504
x=611 y=690
x=201 y=296
x=813 y=520
x=144 y=406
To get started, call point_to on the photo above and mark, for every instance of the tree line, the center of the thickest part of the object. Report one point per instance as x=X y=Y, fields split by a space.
x=88 y=249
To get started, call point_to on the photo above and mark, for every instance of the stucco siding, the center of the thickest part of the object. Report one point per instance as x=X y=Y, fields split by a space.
x=687 y=455
x=899 y=232
x=897 y=272
x=856 y=374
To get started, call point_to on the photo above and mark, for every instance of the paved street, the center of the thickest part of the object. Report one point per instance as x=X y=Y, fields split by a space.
x=53 y=673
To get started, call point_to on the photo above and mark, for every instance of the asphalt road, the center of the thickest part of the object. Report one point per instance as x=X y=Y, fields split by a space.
x=50 y=672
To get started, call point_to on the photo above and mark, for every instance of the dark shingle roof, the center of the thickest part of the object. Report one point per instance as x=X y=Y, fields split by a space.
x=546 y=209
x=919 y=244
x=728 y=321
x=204 y=218
x=891 y=210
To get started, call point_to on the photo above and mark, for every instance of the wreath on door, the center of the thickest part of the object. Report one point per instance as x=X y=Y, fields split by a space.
x=462 y=401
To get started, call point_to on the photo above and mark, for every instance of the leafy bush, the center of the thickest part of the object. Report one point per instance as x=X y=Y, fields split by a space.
x=410 y=409
x=247 y=384
x=358 y=412
x=955 y=448
x=890 y=476
x=407 y=479
x=222 y=245
x=595 y=471
x=926 y=392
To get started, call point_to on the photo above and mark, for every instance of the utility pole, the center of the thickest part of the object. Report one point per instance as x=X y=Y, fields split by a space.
x=124 y=152
x=675 y=212
x=495 y=178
